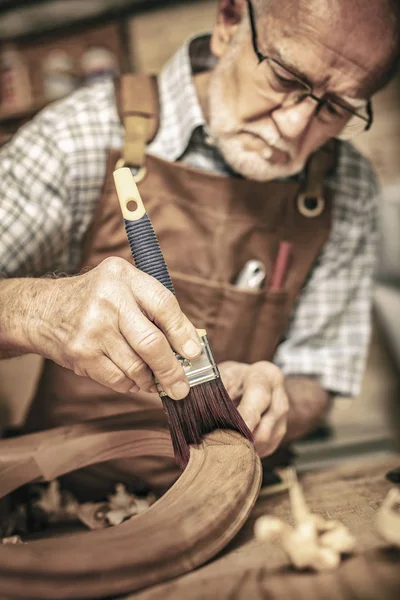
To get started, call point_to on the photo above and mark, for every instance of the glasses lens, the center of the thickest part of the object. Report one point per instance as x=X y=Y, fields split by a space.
x=275 y=82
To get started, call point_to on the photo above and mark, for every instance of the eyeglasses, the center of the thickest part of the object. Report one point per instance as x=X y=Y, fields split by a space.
x=272 y=79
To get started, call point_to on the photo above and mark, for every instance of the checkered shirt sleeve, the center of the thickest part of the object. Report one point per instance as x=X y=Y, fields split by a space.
x=51 y=174
x=330 y=328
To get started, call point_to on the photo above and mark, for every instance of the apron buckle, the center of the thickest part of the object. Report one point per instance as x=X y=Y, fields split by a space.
x=310 y=205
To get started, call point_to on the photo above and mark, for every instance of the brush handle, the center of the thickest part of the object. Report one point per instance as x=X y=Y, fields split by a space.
x=141 y=236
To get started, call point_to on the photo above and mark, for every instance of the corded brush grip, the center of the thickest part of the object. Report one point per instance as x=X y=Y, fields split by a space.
x=142 y=239
x=146 y=250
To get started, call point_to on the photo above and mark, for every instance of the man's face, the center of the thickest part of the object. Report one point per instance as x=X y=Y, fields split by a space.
x=324 y=45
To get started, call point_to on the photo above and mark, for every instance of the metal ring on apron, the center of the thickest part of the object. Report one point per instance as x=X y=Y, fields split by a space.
x=310 y=206
x=140 y=173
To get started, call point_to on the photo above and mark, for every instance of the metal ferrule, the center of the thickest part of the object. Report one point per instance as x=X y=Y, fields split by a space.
x=200 y=370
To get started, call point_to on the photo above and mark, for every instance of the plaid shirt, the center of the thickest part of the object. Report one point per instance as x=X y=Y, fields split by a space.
x=51 y=175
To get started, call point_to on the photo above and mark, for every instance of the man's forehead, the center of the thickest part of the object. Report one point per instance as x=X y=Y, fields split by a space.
x=295 y=8
x=331 y=11
x=345 y=37
x=332 y=19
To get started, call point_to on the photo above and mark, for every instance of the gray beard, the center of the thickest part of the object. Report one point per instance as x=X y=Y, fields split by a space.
x=223 y=128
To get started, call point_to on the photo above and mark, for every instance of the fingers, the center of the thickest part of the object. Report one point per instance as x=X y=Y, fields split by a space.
x=254 y=403
x=257 y=391
x=161 y=306
x=233 y=374
x=264 y=405
x=152 y=347
x=105 y=372
x=273 y=425
x=131 y=365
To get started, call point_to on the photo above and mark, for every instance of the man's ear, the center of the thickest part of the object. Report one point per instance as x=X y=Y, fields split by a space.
x=229 y=16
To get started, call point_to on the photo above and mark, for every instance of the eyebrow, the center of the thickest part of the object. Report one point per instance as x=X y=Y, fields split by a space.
x=276 y=53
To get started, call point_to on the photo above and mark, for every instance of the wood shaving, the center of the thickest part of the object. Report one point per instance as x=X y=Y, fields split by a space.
x=314 y=542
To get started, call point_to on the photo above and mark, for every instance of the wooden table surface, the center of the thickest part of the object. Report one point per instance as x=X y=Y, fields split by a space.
x=251 y=570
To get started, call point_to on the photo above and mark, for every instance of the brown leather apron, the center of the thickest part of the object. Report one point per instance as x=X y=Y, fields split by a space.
x=208 y=226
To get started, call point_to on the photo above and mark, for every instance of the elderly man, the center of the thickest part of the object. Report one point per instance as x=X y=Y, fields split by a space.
x=236 y=152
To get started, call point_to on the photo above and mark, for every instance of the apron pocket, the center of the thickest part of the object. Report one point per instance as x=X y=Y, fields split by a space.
x=242 y=325
x=232 y=330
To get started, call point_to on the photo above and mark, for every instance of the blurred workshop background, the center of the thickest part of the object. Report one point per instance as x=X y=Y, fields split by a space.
x=48 y=48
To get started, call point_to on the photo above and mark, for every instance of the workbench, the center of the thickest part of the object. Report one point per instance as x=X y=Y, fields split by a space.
x=252 y=570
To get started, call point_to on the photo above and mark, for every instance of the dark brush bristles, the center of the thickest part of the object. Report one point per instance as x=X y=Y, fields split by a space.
x=207 y=407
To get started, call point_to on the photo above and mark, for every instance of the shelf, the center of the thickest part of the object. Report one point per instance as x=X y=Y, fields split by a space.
x=25 y=19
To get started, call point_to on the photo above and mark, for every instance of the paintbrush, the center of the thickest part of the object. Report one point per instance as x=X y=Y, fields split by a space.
x=208 y=405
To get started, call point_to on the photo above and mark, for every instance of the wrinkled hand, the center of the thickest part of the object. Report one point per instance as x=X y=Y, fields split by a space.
x=259 y=393
x=117 y=325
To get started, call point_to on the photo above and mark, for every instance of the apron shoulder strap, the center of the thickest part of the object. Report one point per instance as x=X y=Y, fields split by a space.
x=138 y=108
x=318 y=168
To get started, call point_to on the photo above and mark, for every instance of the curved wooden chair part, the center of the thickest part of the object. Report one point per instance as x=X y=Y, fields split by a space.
x=187 y=526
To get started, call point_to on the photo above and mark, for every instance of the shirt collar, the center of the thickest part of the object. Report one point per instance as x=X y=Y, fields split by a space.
x=180 y=110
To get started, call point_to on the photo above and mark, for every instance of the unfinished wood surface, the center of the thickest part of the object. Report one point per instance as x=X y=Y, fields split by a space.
x=191 y=523
x=254 y=570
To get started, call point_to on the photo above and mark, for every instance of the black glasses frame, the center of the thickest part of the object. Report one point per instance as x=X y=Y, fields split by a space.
x=320 y=101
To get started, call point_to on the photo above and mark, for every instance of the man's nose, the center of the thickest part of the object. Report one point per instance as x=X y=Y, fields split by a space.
x=293 y=120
